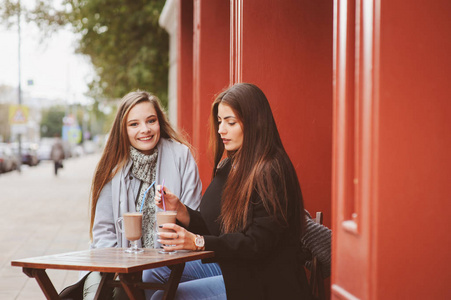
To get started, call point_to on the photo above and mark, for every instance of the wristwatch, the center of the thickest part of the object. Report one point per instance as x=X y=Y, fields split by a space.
x=199 y=242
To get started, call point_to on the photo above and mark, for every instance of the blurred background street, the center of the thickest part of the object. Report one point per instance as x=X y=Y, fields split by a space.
x=43 y=214
x=61 y=81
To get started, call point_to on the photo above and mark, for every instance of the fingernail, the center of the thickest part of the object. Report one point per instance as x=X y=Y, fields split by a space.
x=164 y=192
x=161 y=226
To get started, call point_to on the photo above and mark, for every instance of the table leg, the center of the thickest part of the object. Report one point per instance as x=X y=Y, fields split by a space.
x=129 y=283
x=173 y=282
x=44 y=282
x=104 y=291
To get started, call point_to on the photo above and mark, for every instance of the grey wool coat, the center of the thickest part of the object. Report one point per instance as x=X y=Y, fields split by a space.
x=175 y=165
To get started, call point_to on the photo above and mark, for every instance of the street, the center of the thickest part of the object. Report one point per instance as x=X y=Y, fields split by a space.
x=43 y=214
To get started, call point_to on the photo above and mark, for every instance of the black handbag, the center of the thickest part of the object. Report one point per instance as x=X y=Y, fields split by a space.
x=74 y=291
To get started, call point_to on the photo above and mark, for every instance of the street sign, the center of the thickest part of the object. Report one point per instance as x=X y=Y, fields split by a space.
x=18 y=129
x=18 y=114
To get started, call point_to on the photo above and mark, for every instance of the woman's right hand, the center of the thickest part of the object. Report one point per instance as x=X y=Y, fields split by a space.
x=171 y=201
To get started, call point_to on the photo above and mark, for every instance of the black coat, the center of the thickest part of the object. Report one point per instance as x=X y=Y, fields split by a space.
x=261 y=262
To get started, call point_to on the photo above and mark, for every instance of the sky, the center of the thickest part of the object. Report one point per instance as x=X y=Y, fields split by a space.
x=52 y=65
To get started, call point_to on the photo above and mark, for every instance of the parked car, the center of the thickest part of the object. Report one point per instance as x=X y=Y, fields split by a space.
x=9 y=161
x=89 y=147
x=44 y=151
x=29 y=153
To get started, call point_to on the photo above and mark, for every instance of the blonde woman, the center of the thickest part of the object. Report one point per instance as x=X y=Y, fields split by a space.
x=142 y=147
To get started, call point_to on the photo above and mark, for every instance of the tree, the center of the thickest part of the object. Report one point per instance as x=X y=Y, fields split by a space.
x=52 y=121
x=127 y=47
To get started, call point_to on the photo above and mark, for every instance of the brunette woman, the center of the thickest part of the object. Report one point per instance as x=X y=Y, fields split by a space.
x=252 y=213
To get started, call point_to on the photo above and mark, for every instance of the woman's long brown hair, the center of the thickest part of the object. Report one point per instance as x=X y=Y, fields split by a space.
x=260 y=167
x=117 y=149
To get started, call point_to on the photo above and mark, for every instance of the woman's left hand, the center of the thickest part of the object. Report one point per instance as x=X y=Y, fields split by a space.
x=180 y=239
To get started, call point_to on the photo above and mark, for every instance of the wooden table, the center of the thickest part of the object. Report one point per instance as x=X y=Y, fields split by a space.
x=111 y=261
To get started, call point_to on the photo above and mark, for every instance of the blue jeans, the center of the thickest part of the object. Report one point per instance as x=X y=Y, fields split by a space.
x=211 y=288
x=199 y=281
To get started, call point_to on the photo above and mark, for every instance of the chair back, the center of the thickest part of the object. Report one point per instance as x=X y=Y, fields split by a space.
x=316 y=278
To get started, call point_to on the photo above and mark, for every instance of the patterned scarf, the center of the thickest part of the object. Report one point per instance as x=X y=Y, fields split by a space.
x=144 y=168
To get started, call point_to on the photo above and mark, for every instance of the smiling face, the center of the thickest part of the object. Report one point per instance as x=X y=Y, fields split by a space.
x=230 y=128
x=143 y=128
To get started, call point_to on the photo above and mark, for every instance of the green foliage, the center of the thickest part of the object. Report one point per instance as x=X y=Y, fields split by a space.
x=127 y=47
x=52 y=121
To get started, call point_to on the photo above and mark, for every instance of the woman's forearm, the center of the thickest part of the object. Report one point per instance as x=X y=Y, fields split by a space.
x=182 y=214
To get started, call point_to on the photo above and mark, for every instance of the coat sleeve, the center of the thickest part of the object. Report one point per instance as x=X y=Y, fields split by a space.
x=104 y=230
x=197 y=224
x=191 y=190
x=259 y=239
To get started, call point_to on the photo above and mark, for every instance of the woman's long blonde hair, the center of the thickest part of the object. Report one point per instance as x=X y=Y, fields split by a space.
x=117 y=149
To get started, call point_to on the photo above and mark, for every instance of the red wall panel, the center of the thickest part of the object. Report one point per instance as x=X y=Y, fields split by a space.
x=287 y=51
x=415 y=141
x=355 y=151
x=185 y=66
x=210 y=72
x=398 y=244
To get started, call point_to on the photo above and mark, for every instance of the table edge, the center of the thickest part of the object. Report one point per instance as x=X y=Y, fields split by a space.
x=26 y=263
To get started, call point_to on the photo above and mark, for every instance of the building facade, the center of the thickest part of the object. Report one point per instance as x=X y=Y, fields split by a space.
x=360 y=93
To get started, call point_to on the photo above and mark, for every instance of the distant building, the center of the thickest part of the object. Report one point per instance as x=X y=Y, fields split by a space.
x=361 y=96
x=9 y=96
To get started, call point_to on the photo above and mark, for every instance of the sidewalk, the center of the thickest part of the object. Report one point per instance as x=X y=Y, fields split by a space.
x=42 y=215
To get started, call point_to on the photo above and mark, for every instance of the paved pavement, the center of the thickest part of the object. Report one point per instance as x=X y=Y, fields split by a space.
x=43 y=214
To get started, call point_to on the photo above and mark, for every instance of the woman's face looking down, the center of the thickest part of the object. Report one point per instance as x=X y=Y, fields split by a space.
x=230 y=129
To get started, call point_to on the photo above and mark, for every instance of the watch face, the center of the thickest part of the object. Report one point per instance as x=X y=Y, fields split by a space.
x=199 y=241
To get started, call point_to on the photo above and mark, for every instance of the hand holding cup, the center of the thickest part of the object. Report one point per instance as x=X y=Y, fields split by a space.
x=178 y=237
x=171 y=202
x=163 y=217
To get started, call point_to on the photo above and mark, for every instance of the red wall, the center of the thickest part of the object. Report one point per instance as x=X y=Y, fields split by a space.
x=210 y=72
x=391 y=150
x=414 y=180
x=185 y=66
x=287 y=52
